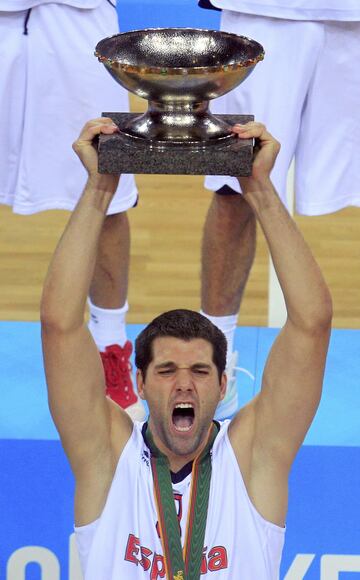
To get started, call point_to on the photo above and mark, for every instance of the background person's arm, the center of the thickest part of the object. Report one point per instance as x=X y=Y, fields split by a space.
x=92 y=429
x=280 y=416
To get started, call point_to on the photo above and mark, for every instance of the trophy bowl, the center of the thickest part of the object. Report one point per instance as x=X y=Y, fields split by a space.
x=178 y=70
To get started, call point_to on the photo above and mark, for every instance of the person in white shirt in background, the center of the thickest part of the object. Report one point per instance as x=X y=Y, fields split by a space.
x=51 y=83
x=306 y=92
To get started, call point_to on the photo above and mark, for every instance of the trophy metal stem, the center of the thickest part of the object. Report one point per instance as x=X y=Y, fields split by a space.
x=178 y=123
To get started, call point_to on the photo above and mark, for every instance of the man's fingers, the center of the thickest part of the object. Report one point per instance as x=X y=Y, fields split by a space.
x=100 y=121
x=92 y=129
x=96 y=127
x=251 y=129
x=250 y=126
x=258 y=131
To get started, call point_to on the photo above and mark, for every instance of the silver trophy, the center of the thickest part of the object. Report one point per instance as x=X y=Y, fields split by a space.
x=178 y=70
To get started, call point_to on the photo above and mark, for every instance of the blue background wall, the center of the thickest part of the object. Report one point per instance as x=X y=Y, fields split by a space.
x=134 y=14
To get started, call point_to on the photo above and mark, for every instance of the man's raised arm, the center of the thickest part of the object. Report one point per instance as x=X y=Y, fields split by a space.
x=74 y=372
x=281 y=414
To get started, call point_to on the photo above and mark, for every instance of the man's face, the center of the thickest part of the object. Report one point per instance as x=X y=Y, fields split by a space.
x=182 y=389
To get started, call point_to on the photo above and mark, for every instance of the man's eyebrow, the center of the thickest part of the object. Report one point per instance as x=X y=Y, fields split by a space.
x=201 y=365
x=167 y=363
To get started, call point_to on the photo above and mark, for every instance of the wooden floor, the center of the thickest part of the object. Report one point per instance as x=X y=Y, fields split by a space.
x=166 y=234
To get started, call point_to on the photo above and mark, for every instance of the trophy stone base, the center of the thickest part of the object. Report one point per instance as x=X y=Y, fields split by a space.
x=121 y=154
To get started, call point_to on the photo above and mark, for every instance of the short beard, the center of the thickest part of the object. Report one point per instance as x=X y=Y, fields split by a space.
x=181 y=451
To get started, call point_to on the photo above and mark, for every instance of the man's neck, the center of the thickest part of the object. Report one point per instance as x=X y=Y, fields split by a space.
x=176 y=461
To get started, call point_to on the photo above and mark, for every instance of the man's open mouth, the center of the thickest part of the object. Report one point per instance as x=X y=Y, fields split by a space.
x=183 y=416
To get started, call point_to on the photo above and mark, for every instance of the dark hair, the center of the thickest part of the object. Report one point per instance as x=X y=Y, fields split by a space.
x=183 y=324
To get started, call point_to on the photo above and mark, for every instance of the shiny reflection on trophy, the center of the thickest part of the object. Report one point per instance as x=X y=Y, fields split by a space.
x=178 y=70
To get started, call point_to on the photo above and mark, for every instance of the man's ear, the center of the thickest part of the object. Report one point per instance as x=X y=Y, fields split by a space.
x=223 y=384
x=140 y=384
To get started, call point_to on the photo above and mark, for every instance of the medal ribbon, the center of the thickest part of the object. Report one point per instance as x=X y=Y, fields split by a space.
x=181 y=566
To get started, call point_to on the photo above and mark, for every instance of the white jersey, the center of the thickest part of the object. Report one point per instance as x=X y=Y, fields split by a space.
x=340 y=10
x=17 y=5
x=124 y=542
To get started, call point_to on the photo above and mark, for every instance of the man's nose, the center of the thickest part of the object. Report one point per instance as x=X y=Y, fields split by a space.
x=184 y=378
